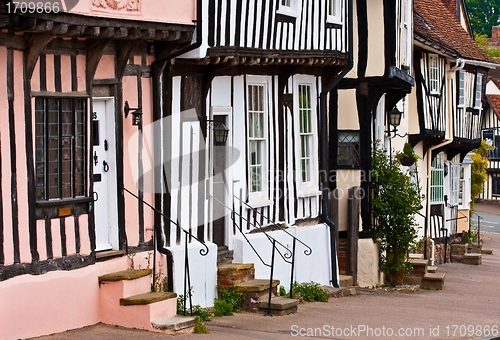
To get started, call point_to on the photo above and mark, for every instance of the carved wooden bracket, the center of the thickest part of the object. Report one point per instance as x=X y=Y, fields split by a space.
x=35 y=44
x=95 y=50
x=124 y=50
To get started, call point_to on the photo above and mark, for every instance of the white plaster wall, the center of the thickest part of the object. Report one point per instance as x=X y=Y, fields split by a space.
x=368 y=269
x=348 y=113
x=315 y=267
x=376 y=61
x=491 y=88
x=203 y=270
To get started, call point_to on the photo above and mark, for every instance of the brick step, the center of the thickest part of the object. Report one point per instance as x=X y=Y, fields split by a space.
x=232 y=274
x=252 y=290
x=176 y=324
x=433 y=281
x=345 y=281
x=419 y=267
x=279 y=305
x=224 y=255
x=487 y=251
x=125 y=283
x=432 y=269
x=473 y=258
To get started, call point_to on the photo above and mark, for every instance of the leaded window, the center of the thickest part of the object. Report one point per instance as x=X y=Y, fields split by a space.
x=479 y=90
x=461 y=88
x=434 y=74
x=437 y=179
x=60 y=148
x=348 y=149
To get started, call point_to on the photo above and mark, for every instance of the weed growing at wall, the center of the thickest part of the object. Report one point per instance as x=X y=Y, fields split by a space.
x=228 y=302
x=395 y=202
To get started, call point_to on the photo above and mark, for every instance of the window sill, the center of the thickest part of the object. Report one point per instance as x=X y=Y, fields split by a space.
x=66 y=201
x=259 y=203
x=308 y=193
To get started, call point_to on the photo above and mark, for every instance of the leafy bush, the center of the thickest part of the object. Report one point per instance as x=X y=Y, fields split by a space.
x=395 y=201
x=479 y=174
x=310 y=291
x=282 y=291
x=203 y=314
x=222 y=308
x=228 y=302
x=200 y=327
x=465 y=237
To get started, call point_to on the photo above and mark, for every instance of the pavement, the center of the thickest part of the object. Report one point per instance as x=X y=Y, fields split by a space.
x=467 y=308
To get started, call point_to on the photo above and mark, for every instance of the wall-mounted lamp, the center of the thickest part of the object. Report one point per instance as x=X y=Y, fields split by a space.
x=220 y=131
x=136 y=113
x=394 y=117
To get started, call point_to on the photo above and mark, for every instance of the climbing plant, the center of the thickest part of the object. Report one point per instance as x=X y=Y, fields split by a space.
x=395 y=201
x=479 y=175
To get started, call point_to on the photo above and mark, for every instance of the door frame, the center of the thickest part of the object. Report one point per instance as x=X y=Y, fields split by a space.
x=112 y=185
x=228 y=112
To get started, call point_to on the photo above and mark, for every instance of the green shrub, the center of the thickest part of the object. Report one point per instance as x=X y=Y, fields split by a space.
x=222 y=308
x=204 y=314
x=200 y=327
x=310 y=291
x=282 y=291
x=228 y=302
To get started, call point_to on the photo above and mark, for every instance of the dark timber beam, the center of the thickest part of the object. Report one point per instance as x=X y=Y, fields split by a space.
x=95 y=50
x=124 y=50
x=35 y=44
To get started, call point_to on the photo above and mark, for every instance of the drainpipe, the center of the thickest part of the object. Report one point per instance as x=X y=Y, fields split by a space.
x=323 y=143
x=156 y=67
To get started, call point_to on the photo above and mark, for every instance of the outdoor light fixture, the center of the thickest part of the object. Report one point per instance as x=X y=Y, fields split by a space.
x=220 y=134
x=136 y=113
x=394 y=117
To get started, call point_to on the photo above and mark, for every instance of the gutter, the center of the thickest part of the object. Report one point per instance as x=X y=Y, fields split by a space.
x=323 y=142
x=481 y=63
x=156 y=68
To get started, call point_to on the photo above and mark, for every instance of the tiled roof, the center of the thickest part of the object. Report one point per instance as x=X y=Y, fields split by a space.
x=437 y=26
x=494 y=100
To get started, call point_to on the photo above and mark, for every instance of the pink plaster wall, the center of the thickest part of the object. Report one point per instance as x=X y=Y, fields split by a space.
x=81 y=63
x=131 y=205
x=41 y=243
x=83 y=222
x=5 y=155
x=169 y=11
x=106 y=68
x=70 y=235
x=22 y=173
x=147 y=100
x=44 y=304
x=66 y=73
x=35 y=79
x=55 y=226
x=49 y=61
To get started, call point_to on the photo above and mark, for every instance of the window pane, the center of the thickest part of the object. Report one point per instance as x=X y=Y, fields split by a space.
x=80 y=148
x=40 y=156
x=53 y=148
x=305 y=131
x=348 y=149
x=256 y=136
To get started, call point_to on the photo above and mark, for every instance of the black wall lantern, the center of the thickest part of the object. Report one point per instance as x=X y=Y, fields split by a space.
x=220 y=132
x=395 y=117
x=137 y=114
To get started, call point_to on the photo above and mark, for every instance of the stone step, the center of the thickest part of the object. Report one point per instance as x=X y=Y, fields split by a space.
x=419 y=267
x=256 y=285
x=146 y=298
x=487 y=251
x=279 y=305
x=125 y=283
x=345 y=281
x=224 y=255
x=432 y=269
x=419 y=262
x=175 y=324
x=412 y=280
x=339 y=292
x=232 y=274
x=129 y=274
x=417 y=256
x=433 y=281
x=473 y=258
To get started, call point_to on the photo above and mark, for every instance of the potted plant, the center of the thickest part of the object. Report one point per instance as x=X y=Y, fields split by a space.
x=408 y=156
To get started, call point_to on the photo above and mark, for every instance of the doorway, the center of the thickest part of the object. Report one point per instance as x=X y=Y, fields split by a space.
x=104 y=175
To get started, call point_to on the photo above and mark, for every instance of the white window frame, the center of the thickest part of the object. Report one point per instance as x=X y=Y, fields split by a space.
x=461 y=89
x=261 y=195
x=454 y=184
x=336 y=16
x=437 y=180
x=478 y=92
x=288 y=7
x=434 y=87
x=309 y=187
x=406 y=35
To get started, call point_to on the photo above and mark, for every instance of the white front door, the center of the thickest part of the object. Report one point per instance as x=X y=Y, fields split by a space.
x=104 y=162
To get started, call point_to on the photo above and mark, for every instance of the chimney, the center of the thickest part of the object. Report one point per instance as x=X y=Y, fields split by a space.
x=495 y=33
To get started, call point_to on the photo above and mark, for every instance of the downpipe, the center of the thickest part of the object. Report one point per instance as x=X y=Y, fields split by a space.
x=323 y=142
x=157 y=67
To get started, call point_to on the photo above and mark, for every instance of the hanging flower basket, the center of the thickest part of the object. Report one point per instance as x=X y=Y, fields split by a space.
x=407 y=160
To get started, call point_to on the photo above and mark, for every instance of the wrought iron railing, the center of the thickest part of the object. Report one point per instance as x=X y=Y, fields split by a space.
x=479 y=218
x=203 y=252
x=288 y=256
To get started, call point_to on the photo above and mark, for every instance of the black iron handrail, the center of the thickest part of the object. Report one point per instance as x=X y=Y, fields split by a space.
x=307 y=251
x=203 y=251
x=479 y=218
x=274 y=248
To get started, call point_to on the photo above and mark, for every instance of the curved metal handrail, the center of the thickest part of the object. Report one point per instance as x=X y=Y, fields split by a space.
x=203 y=251
x=307 y=252
x=269 y=237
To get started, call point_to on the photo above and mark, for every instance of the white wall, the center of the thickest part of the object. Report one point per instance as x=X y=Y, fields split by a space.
x=315 y=267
